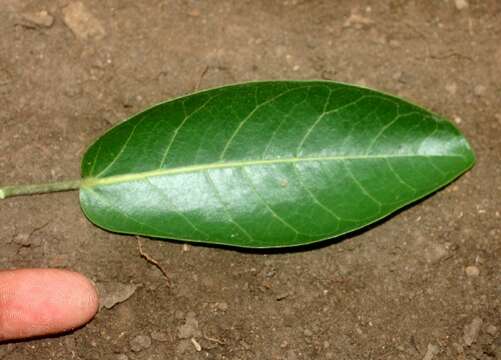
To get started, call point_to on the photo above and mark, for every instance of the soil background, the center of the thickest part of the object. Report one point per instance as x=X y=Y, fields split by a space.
x=423 y=284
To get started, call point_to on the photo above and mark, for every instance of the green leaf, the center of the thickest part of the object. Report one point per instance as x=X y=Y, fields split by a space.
x=268 y=164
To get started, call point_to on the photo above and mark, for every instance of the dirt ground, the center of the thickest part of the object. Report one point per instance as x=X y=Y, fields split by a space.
x=424 y=284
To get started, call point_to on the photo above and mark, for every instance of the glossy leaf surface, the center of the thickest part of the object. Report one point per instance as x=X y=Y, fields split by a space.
x=268 y=164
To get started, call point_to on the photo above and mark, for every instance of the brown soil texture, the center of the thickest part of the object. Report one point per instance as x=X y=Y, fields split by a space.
x=423 y=284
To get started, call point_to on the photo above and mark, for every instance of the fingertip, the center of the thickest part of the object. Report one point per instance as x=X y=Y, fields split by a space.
x=37 y=302
x=84 y=301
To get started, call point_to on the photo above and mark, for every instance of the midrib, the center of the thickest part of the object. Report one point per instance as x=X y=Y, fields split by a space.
x=115 y=179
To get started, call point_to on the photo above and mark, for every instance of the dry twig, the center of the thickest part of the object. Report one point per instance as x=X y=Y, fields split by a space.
x=202 y=74
x=208 y=338
x=151 y=260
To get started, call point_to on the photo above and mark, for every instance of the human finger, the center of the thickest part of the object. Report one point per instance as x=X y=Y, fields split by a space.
x=37 y=302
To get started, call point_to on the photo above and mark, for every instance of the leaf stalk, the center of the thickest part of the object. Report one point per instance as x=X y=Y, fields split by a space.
x=18 y=190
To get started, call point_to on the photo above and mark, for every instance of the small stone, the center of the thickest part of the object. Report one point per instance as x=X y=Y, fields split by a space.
x=222 y=306
x=451 y=88
x=308 y=332
x=39 y=18
x=435 y=253
x=403 y=77
x=196 y=344
x=159 y=336
x=115 y=293
x=22 y=239
x=457 y=119
x=82 y=22
x=358 y=21
x=122 y=357
x=189 y=328
x=282 y=296
x=140 y=343
x=407 y=78
x=491 y=330
x=431 y=351
x=471 y=331
x=461 y=4
x=480 y=90
x=472 y=270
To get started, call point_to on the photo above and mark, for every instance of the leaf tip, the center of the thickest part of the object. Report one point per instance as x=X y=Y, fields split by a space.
x=470 y=155
x=2 y=194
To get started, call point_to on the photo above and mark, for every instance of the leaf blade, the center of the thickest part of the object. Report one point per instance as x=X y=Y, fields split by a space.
x=268 y=164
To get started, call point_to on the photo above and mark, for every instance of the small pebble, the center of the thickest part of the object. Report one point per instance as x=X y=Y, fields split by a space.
x=282 y=296
x=461 y=4
x=491 y=330
x=115 y=293
x=435 y=253
x=222 y=306
x=457 y=119
x=122 y=357
x=308 y=332
x=189 y=328
x=39 y=18
x=140 y=342
x=472 y=270
x=22 y=239
x=196 y=344
x=358 y=21
x=82 y=22
x=431 y=351
x=471 y=331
